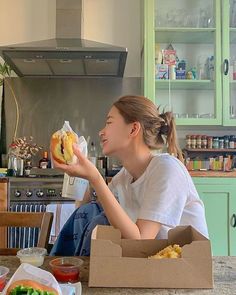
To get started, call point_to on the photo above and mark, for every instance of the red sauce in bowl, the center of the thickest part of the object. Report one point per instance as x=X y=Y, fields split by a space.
x=66 y=273
x=2 y=284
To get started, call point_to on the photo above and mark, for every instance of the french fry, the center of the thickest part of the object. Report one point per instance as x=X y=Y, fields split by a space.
x=168 y=252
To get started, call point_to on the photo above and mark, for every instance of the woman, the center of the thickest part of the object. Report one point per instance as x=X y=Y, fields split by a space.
x=153 y=192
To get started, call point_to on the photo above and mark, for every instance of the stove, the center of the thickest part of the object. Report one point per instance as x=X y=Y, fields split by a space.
x=35 y=194
x=36 y=189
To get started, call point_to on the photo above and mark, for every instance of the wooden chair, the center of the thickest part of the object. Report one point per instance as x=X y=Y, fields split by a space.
x=42 y=220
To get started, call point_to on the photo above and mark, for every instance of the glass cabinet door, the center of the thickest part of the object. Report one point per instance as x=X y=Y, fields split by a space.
x=186 y=57
x=229 y=61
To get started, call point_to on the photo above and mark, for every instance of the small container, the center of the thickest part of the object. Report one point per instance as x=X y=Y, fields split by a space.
x=193 y=141
x=221 y=142
x=209 y=142
x=231 y=141
x=199 y=141
x=204 y=141
x=3 y=276
x=172 y=72
x=215 y=143
x=188 y=141
x=34 y=256
x=226 y=142
x=66 y=269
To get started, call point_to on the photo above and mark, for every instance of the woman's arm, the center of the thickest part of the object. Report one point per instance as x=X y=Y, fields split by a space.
x=117 y=217
x=142 y=229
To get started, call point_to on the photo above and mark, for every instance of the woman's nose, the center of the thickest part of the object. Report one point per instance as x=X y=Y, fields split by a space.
x=101 y=133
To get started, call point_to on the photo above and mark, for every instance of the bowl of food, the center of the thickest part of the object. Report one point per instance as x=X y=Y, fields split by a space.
x=66 y=269
x=3 y=276
x=34 y=256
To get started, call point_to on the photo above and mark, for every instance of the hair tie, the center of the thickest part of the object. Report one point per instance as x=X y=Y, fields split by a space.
x=164 y=129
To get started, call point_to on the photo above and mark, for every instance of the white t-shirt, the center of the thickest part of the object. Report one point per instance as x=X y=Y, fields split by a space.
x=164 y=193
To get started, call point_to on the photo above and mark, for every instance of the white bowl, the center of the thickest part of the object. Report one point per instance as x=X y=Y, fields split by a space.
x=34 y=256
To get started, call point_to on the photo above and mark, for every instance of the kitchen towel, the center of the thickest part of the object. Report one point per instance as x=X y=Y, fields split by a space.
x=61 y=213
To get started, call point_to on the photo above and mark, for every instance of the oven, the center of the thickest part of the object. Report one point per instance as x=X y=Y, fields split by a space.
x=36 y=195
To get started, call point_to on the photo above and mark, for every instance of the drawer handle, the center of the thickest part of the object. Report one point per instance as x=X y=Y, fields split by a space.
x=233 y=220
x=226 y=67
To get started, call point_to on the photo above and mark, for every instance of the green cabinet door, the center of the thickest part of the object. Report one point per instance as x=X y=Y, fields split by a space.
x=219 y=198
x=232 y=225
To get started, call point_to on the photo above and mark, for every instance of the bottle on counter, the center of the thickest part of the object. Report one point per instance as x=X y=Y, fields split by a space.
x=44 y=162
x=92 y=154
x=28 y=167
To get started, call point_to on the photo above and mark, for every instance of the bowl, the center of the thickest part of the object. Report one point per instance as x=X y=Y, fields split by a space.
x=66 y=269
x=3 y=275
x=34 y=256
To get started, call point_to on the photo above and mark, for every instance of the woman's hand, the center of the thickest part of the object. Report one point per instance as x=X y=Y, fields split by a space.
x=83 y=168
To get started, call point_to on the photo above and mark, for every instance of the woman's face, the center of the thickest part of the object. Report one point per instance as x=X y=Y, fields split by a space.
x=114 y=137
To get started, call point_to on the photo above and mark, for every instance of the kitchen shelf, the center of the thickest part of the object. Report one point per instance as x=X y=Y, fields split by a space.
x=185 y=35
x=211 y=150
x=185 y=84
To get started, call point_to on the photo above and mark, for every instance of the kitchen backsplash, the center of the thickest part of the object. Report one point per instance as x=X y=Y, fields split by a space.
x=46 y=103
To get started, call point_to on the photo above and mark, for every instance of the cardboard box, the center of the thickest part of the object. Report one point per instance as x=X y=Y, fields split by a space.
x=116 y=262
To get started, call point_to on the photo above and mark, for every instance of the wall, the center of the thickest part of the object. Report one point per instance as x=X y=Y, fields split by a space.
x=116 y=22
x=26 y=20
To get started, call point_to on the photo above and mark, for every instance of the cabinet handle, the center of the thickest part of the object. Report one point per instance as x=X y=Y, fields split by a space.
x=233 y=220
x=226 y=67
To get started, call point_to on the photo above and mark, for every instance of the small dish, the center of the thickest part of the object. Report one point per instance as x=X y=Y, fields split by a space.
x=3 y=275
x=34 y=256
x=66 y=269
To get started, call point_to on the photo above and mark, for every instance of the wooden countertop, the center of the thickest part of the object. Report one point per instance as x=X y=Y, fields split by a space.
x=224 y=269
x=213 y=174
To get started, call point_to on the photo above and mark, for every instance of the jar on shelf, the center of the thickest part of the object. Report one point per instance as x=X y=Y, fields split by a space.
x=204 y=141
x=209 y=142
x=188 y=141
x=231 y=141
x=221 y=142
x=215 y=143
x=193 y=141
x=226 y=141
x=199 y=141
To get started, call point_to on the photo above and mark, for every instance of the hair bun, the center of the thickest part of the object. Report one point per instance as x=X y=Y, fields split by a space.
x=164 y=130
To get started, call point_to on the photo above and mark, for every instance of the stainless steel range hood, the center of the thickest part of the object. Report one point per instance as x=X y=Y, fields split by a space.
x=65 y=57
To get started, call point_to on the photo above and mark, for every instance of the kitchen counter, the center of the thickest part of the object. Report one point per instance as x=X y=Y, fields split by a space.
x=224 y=269
x=230 y=174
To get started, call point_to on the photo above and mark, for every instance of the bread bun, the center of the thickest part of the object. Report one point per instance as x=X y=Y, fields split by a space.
x=21 y=284
x=61 y=146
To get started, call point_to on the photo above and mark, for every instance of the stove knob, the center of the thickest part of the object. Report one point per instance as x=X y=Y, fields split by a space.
x=28 y=194
x=39 y=194
x=17 y=193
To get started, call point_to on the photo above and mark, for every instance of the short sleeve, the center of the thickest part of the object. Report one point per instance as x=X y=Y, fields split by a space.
x=166 y=192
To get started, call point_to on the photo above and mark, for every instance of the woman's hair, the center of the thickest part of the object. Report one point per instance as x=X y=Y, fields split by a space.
x=158 y=128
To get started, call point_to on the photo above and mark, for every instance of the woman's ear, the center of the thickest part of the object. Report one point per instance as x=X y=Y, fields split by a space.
x=135 y=128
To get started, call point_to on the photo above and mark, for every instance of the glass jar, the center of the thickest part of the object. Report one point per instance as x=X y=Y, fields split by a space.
x=188 y=141
x=209 y=142
x=199 y=141
x=204 y=141
x=226 y=142
x=221 y=142
x=193 y=141
x=231 y=141
x=215 y=143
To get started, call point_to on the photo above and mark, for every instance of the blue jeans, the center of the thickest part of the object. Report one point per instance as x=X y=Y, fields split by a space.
x=75 y=236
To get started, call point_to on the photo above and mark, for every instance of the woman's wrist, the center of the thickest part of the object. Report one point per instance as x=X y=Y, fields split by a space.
x=95 y=178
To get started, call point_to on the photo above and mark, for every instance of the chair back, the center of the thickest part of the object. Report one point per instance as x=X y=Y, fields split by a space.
x=42 y=220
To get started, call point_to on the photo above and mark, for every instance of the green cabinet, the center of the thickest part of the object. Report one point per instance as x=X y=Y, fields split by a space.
x=197 y=30
x=219 y=198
